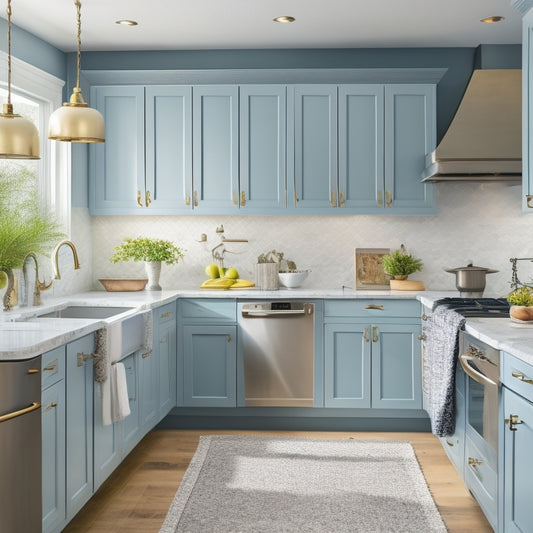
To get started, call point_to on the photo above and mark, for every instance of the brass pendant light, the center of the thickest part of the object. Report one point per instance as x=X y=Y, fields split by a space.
x=19 y=138
x=75 y=121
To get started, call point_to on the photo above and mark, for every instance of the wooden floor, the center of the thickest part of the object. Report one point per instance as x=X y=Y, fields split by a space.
x=136 y=497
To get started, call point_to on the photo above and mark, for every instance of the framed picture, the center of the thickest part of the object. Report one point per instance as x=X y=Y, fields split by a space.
x=369 y=273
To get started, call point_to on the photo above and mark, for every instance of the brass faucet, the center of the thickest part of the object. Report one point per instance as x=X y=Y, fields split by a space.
x=36 y=285
x=55 y=257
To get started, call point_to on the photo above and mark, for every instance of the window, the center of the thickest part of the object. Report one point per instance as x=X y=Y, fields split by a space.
x=35 y=94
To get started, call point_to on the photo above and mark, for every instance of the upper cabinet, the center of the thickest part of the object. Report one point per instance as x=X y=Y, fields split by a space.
x=144 y=167
x=263 y=149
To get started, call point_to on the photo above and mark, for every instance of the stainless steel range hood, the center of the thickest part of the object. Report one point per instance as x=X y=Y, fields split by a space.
x=484 y=140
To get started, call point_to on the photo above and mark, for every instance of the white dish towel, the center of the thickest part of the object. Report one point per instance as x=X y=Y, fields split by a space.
x=120 y=405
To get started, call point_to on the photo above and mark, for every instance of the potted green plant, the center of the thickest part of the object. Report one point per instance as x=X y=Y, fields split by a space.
x=25 y=225
x=521 y=304
x=153 y=252
x=400 y=264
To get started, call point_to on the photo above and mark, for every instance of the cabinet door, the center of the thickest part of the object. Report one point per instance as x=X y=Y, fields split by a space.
x=116 y=171
x=215 y=148
x=410 y=134
x=168 y=149
x=361 y=147
x=209 y=366
x=148 y=390
x=166 y=354
x=518 y=468
x=79 y=424
x=262 y=147
x=347 y=365
x=132 y=431
x=53 y=454
x=313 y=146
x=396 y=366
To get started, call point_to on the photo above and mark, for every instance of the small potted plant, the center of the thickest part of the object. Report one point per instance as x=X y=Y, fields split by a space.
x=521 y=302
x=153 y=252
x=400 y=264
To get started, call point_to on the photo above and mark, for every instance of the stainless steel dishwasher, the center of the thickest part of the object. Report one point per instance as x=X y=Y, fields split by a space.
x=20 y=446
x=277 y=339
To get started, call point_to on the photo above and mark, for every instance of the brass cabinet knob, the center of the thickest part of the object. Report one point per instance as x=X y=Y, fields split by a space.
x=424 y=316
x=421 y=337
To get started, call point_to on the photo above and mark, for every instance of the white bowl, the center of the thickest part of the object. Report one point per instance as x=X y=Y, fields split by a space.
x=293 y=278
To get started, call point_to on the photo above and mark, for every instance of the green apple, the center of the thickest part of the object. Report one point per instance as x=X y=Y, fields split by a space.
x=3 y=279
x=231 y=273
x=212 y=271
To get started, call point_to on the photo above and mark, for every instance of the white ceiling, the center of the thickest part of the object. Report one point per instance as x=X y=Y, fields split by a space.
x=219 y=24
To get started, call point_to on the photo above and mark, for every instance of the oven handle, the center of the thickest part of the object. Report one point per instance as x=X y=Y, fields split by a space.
x=473 y=373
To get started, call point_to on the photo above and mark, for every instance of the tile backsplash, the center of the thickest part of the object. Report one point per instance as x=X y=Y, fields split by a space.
x=482 y=222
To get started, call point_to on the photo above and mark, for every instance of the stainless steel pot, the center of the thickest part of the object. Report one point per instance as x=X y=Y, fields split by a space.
x=471 y=279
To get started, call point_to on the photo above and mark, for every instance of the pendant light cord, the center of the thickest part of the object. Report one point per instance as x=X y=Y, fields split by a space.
x=78 y=37
x=9 y=52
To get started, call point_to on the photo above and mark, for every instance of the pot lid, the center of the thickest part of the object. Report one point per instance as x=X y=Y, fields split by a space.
x=470 y=267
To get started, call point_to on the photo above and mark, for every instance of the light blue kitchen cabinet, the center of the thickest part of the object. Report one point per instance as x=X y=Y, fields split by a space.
x=361 y=147
x=312 y=147
x=168 y=181
x=165 y=326
x=347 y=365
x=518 y=467
x=396 y=366
x=148 y=389
x=410 y=134
x=215 y=149
x=117 y=167
x=79 y=424
x=209 y=365
x=262 y=132
x=53 y=440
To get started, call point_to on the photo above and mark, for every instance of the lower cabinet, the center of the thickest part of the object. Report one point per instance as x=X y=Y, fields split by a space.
x=209 y=366
x=371 y=364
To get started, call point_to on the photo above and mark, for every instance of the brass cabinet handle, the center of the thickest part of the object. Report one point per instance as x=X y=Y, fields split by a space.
x=139 y=203
x=188 y=200
x=14 y=414
x=333 y=199
x=529 y=200
x=424 y=317
x=513 y=420
x=342 y=203
x=228 y=337
x=522 y=377
x=388 y=198
x=243 y=198
x=234 y=198
x=374 y=306
x=51 y=406
x=195 y=196
x=295 y=198
x=367 y=339
x=474 y=462
x=449 y=443
x=148 y=199
x=84 y=357
x=33 y=371
x=145 y=355
x=375 y=337
x=380 y=198
x=168 y=313
x=51 y=367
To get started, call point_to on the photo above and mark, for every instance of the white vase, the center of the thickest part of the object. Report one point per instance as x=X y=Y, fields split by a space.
x=153 y=271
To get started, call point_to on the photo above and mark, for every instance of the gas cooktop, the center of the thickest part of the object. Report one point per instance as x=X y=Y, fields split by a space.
x=476 y=307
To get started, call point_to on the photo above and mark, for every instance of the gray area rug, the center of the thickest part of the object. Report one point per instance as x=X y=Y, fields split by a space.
x=285 y=484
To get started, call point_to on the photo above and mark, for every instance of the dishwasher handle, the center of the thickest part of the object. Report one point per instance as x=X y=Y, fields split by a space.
x=15 y=414
x=271 y=313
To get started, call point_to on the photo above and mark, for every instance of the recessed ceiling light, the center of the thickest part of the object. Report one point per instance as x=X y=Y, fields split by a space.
x=284 y=19
x=492 y=20
x=125 y=22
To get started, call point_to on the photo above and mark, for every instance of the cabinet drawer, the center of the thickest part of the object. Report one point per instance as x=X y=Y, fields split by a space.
x=374 y=308
x=52 y=367
x=518 y=376
x=216 y=310
x=165 y=313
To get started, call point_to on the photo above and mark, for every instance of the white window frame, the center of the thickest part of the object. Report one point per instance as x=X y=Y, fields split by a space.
x=54 y=165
